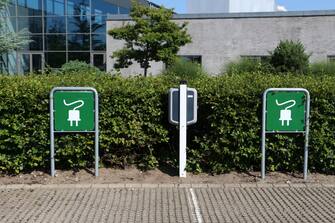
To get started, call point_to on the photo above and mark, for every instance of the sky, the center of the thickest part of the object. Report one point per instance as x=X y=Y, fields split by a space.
x=290 y=5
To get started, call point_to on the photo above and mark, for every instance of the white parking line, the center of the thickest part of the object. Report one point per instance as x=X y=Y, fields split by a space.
x=195 y=204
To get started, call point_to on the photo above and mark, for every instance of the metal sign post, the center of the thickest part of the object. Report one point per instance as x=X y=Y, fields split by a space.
x=286 y=110
x=74 y=110
x=182 y=112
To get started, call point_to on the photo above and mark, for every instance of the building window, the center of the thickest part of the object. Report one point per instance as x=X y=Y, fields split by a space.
x=33 y=24
x=29 y=7
x=55 y=42
x=103 y=7
x=55 y=24
x=54 y=7
x=192 y=58
x=79 y=42
x=256 y=58
x=331 y=58
x=78 y=7
x=78 y=24
x=81 y=56
x=55 y=59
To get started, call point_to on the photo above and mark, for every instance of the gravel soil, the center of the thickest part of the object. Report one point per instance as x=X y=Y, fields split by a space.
x=133 y=175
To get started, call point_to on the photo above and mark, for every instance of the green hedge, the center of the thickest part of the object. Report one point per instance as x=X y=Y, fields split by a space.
x=135 y=130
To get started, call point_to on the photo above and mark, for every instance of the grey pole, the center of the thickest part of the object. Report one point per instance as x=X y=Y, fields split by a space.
x=306 y=136
x=263 y=135
x=52 y=138
x=96 y=137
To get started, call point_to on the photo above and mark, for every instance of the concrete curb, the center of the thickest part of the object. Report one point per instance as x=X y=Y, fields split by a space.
x=125 y=186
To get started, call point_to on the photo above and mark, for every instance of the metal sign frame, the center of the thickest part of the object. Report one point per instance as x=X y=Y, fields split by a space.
x=195 y=109
x=306 y=132
x=96 y=124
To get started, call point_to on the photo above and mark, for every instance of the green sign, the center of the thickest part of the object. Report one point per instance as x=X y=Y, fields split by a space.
x=74 y=111
x=286 y=111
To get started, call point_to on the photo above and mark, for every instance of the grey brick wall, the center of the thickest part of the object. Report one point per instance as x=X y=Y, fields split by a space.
x=222 y=38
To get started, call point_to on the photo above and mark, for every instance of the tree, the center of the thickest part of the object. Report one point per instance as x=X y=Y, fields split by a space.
x=9 y=40
x=290 y=56
x=151 y=36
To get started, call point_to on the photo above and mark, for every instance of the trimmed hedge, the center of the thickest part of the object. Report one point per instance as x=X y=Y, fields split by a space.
x=135 y=130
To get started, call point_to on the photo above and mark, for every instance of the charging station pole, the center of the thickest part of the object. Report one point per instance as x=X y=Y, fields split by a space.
x=182 y=127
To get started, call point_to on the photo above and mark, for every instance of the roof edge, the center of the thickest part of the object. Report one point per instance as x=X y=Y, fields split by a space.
x=313 y=13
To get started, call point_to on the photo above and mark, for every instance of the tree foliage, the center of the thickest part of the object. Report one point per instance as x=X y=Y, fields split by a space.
x=9 y=40
x=151 y=36
x=290 y=56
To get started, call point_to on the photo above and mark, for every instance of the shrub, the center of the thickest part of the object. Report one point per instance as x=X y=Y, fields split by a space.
x=322 y=68
x=182 y=69
x=76 y=66
x=134 y=128
x=247 y=65
x=290 y=56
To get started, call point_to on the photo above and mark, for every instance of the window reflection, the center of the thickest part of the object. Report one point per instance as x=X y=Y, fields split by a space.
x=103 y=7
x=81 y=56
x=55 y=59
x=124 y=10
x=78 y=24
x=12 y=8
x=55 y=42
x=99 y=42
x=54 y=7
x=98 y=24
x=79 y=42
x=78 y=7
x=55 y=24
x=33 y=24
x=29 y=7
x=37 y=42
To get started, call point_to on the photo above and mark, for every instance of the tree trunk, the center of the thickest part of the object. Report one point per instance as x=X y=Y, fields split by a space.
x=145 y=71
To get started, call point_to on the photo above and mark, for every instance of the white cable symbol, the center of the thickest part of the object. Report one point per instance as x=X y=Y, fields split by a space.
x=74 y=114
x=285 y=115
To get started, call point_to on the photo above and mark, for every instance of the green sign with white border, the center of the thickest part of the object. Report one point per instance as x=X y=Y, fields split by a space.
x=286 y=111
x=74 y=111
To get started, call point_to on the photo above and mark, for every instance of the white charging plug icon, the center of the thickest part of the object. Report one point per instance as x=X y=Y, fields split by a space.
x=74 y=114
x=286 y=115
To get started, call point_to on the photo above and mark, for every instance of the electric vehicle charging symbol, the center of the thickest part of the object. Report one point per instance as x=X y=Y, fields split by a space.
x=74 y=114
x=286 y=114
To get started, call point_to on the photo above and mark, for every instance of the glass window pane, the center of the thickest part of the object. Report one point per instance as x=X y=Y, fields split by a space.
x=78 y=24
x=11 y=8
x=98 y=24
x=99 y=42
x=29 y=7
x=54 y=7
x=36 y=44
x=33 y=24
x=124 y=10
x=99 y=61
x=79 y=42
x=55 y=42
x=8 y=24
x=55 y=24
x=24 y=63
x=36 y=64
x=79 y=56
x=103 y=7
x=8 y=63
x=78 y=7
x=55 y=59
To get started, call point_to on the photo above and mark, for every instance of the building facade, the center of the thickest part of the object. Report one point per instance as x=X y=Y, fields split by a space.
x=218 y=39
x=60 y=30
x=230 y=6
